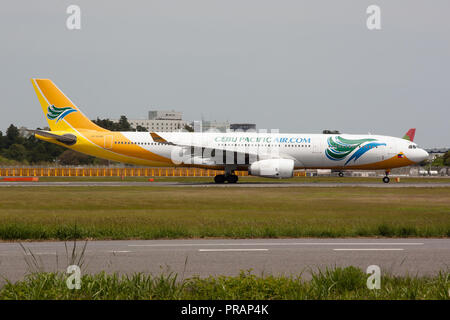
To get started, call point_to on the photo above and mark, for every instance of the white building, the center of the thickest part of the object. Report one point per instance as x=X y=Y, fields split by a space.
x=164 y=115
x=172 y=121
x=162 y=121
x=215 y=126
x=159 y=125
x=197 y=126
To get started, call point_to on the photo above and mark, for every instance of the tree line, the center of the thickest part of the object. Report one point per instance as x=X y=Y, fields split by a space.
x=18 y=147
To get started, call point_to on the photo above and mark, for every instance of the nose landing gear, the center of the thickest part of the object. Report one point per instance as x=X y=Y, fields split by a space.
x=386 y=178
x=341 y=174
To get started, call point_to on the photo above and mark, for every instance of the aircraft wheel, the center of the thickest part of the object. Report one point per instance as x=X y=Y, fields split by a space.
x=386 y=179
x=232 y=178
x=341 y=174
x=220 y=178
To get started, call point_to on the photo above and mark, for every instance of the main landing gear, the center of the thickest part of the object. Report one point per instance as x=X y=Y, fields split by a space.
x=341 y=174
x=229 y=175
x=386 y=178
x=230 y=178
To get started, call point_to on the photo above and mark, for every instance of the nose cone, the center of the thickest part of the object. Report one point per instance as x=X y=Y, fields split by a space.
x=418 y=155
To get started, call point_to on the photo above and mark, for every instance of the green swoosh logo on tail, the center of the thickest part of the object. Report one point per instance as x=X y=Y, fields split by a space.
x=58 y=113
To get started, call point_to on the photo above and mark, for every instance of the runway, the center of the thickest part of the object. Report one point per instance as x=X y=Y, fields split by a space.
x=207 y=257
x=225 y=185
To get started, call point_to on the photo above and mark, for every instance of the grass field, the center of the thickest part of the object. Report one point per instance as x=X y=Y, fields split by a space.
x=186 y=212
x=338 y=283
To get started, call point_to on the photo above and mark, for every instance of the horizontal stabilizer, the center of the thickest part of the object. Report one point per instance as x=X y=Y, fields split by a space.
x=66 y=138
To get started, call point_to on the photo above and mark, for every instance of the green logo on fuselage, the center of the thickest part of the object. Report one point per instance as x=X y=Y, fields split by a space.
x=339 y=148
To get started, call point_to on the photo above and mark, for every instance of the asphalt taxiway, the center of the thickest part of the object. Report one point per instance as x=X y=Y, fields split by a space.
x=224 y=185
x=418 y=256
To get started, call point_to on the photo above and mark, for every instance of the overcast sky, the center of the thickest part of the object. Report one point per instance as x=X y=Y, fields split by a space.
x=297 y=66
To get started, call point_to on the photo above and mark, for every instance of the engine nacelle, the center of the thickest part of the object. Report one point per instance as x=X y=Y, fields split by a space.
x=273 y=168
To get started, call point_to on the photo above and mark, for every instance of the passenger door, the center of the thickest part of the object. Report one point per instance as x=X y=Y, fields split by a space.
x=108 y=142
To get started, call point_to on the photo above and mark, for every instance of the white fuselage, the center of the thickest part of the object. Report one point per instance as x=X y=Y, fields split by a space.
x=335 y=151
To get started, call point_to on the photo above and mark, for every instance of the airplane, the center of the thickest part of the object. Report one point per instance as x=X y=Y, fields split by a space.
x=270 y=155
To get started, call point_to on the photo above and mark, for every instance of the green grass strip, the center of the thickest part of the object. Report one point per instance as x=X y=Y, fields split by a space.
x=336 y=283
x=167 y=213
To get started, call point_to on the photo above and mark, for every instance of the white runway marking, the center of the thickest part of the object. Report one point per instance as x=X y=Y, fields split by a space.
x=283 y=244
x=370 y=249
x=119 y=251
x=227 y=250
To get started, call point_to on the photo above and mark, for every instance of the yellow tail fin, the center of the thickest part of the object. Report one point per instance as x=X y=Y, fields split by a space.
x=60 y=112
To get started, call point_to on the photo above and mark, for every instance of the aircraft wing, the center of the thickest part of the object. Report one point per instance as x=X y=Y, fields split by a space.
x=189 y=155
x=248 y=156
x=157 y=138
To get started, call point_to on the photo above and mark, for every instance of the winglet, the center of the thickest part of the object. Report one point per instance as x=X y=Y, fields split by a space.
x=410 y=134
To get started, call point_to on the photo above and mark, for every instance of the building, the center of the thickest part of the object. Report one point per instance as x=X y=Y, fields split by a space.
x=172 y=121
x=161 y=121
x=436 y=152
x=164 y=115
x=215 y=126
x=243 y=127
x=159 y=125
x=197 y=126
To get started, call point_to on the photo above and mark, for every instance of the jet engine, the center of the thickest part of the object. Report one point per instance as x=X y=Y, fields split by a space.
x=272 y=168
